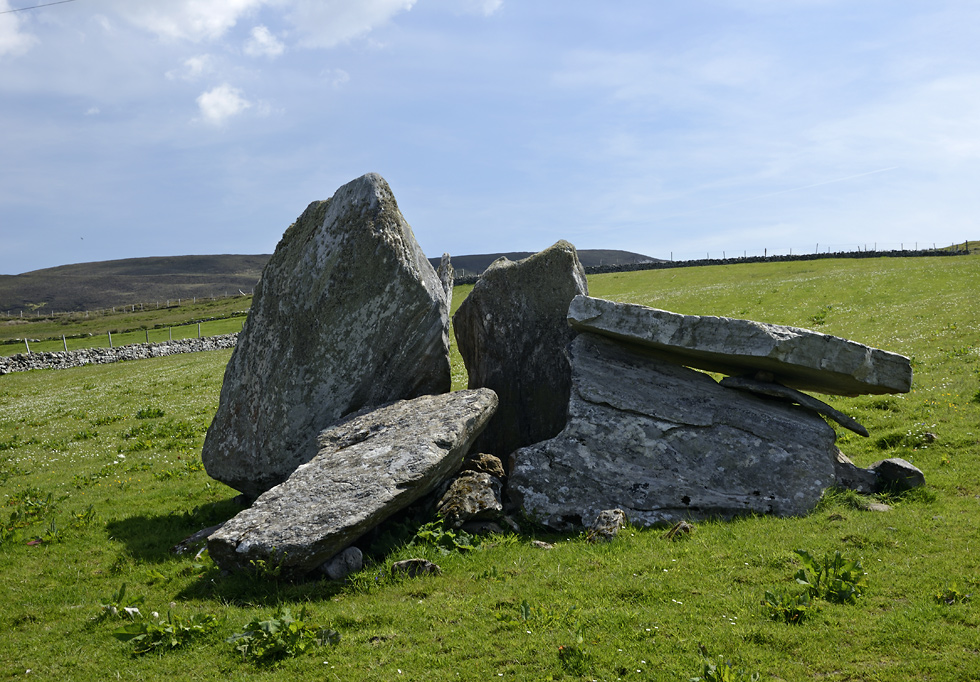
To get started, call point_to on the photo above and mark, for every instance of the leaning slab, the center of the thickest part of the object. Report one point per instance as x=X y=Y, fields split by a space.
x=367 y=469
x=348 y=314
x=798 y=358
x=666 y=443
x=512 y=333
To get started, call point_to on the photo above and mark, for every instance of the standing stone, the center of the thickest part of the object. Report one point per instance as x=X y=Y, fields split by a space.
x=513 y=335
x=447 y=275
x=798 y=358
x=368 y=468
x=665 y=443
x=348 y=313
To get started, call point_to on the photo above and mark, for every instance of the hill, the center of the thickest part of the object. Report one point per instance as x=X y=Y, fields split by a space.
x=93 y=286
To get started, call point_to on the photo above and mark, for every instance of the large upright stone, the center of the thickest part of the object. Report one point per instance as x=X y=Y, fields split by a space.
x=798 y=358
x=348 y=313
x=666 y=443
x=367 y=468
x=512 y=333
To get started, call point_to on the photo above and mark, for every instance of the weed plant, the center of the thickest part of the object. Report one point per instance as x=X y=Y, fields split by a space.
x=81 y=516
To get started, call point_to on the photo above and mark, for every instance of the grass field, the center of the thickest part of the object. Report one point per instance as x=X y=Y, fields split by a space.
x=100 y=475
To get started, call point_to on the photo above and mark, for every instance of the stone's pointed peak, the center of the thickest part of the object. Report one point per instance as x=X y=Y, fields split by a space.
x=798 y=358
x=557 y=249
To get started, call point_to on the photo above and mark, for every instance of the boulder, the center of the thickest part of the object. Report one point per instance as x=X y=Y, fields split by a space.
x=486 y=463
x=665 y=443
x=512 y=333
x=447 y=276
x=798 y=358
x=367 y=468
x=849 y=475
x=348 y=314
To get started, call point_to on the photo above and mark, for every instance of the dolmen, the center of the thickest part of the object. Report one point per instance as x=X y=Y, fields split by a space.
x=651 y=434
x=335 y=412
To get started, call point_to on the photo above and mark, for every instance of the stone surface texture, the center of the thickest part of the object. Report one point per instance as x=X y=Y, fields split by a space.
x=897 y=475
x=512 y=333
x=348 y=313
x=666 y=443
x=351 y=560
x=367 y=468
x=849 y=475
x=798 y=358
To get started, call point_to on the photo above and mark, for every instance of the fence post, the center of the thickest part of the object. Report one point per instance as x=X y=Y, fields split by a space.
x=28 y=346
x=170 y=332
x=64 y=341
x=147 y=335
x=198 y=330
x=110 y=339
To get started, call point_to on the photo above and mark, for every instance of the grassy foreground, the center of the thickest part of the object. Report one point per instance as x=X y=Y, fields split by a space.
x=100 y=475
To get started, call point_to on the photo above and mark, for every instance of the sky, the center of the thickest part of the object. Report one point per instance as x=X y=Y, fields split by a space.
x=673 y=129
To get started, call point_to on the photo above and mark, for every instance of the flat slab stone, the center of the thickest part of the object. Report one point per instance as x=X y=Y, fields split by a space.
x=348 y=313
x=367 y=469
x=666 y=443
x=798 y=358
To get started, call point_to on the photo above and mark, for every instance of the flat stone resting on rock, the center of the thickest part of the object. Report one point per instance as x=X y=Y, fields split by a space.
x=798 y=358
x=367 y=468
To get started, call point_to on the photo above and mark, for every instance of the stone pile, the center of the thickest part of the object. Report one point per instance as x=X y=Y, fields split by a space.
x=335 y=413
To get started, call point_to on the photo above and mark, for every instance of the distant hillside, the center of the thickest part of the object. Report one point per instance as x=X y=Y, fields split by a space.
x=92 y=286
x=474 y=265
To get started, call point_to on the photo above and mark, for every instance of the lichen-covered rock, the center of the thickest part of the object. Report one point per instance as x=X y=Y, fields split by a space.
x=486 y=463
x=512 y=333
x=351 y=560
x=367 y=468
x=666 y=443
x=606 y=525
x=798 y=358
x=474 y=495
x=897 y=475
x=348 y=314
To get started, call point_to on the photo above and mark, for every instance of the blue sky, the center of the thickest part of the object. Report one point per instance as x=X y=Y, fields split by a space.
x=176 y=127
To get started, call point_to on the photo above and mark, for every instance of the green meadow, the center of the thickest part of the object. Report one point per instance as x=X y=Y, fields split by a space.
x=100 y=475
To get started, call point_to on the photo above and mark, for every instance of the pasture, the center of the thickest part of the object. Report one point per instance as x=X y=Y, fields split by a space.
x=100 y=476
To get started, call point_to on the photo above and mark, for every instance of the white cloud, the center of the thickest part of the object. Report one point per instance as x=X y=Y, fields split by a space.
x=219 y=104
x=327 y=23
x=336 y=77
x=193 y=20
x=92 y=111
x=193 y=68
x=263 y=44
x=13 y=41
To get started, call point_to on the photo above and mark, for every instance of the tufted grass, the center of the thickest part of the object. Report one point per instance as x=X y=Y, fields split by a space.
x=117 y=448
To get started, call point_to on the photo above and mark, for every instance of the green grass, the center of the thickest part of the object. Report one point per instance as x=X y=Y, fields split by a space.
x=111 y=455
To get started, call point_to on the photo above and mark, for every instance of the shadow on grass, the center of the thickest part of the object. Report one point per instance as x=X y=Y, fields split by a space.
x=150 y=538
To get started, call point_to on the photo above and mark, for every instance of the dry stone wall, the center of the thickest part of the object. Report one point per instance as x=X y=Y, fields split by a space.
x=102 y=356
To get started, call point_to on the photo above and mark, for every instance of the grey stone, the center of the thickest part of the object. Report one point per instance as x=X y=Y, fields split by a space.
x=666 y=443
x=897 y=474
x=348 y=314
x=474 y=495
x=351 y=560
x=798 y=358
x=784 y=392
x=606 y=525
x=512 y=333
x=367 y=468
x=447 y=275
x=848 y=475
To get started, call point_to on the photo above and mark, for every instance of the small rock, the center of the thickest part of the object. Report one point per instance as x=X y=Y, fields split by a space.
x=850 y=476
x=488 y=464
x=343 y=564
x=413 y=568
x=680 y=529
x=474 y=495
x=607 y=525
x=898 y=475
x=877 y=507
x=541 y=544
